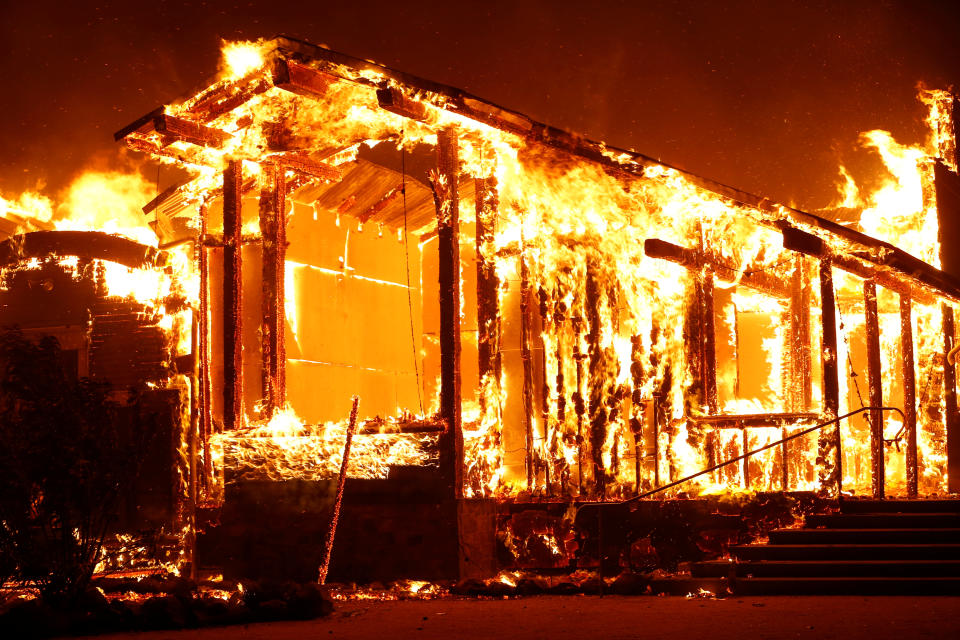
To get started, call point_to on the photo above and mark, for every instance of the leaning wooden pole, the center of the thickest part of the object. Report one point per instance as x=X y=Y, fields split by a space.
x=273 y=230
x=341 y=483
x=909 y=393
x=831 y=380
x=232 y=293
x=875 y=380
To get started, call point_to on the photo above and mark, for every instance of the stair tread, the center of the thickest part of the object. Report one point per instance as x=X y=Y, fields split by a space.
x=831 y=562
x=845 y=545
x=875 y=529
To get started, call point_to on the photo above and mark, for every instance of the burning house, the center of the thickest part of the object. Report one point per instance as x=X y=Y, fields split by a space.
x=527 y=317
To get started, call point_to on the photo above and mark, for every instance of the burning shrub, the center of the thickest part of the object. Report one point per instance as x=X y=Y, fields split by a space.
x=68 y=454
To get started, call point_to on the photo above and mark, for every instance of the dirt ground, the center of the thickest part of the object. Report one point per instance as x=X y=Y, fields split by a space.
x=613 y=617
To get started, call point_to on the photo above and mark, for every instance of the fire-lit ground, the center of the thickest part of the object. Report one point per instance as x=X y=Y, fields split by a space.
x=616 y=617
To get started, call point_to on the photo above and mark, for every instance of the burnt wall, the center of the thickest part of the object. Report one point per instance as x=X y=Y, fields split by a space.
x=398 y=527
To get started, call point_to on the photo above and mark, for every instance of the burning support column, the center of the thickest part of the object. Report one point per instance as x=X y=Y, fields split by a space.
x=488 y=314
x=273 y=229
x=445 y=184
x=232 y=293
x=909 y=392
x=831 y=470
x=874 y=376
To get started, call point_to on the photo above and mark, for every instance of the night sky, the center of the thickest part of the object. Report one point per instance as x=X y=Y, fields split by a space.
x=764 y=95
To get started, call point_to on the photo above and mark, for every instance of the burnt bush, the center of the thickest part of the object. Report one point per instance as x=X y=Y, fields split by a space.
x=68 y=453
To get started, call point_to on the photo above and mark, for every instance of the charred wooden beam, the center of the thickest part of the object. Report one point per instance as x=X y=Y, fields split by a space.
x=232 y=294
x=228 y=96
x=395 y=101
x=91 y=245
x=273 y=229
x=894 y=279
x=445 y=184
x=950 y=401
x=301 y=79
x=302 y=162
x=829 y=442
x=761 y=281
x=168 y=193
x=875 y=380
x=377 y=426
x=754 y=420
x=389 y=197
x=174 y=128
x=143 y=124
x=909 y=393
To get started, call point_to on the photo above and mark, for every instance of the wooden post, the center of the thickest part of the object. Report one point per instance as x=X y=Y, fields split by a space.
x=637 y=408
x=950 y=401
x=488 y=311
x=709 y=342
x=526 y=318
x=273 y=229
x=447 y=199
x=232 y=294
x=203 y=356
x=909 y=392
x=875 y=380
x=599 y=417
x=547 y=325
x=831 y=379
x=579 y=406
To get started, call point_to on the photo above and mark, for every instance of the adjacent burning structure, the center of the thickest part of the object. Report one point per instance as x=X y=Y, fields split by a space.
x=531 y=315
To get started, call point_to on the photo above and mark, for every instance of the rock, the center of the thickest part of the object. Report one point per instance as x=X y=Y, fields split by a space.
x=629 y=584
x=163 y=612
x=468 y=587
x=309 y=600
x=270 y=610
x=532 y=586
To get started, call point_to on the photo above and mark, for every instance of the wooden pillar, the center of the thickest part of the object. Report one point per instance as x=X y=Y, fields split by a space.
x=273 y=230
x=801 y=386
x=526 y=317
x=950 y=402
x=488 y=311
x=831 y=379
x=875 y=380
x=909 y=392
x=203 y=328
x=446 y=195
x=232 y=293
x=637 y=408
x=709 y=342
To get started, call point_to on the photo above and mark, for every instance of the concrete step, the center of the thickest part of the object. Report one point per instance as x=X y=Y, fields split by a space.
x=827 y=568
x=865 y=536
x=883 y=520
x=936 y=586
x=900 y=506
x=846 y=552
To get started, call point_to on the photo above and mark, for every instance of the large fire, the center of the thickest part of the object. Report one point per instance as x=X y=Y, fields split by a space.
x=607 y=277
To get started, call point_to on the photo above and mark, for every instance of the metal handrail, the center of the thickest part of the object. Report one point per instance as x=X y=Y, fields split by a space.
x=714 y=468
